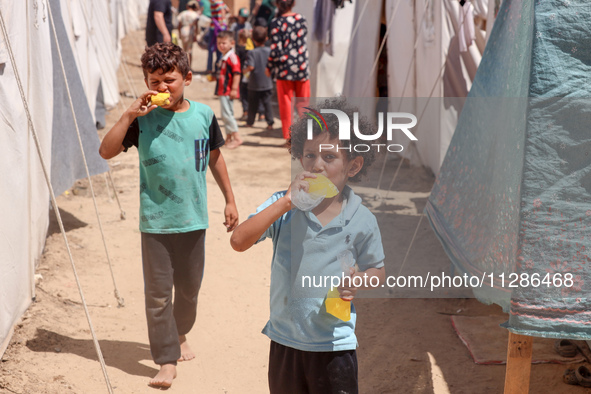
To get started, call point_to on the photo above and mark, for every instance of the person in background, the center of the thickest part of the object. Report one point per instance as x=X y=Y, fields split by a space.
x=227 y=86
x=242 y=51
x=188 y=20
x=264 y=10
x=288 y=60
x=183 y=5
x=241 y=24
x=159 y=22
x=219 y=11
x=260 y=86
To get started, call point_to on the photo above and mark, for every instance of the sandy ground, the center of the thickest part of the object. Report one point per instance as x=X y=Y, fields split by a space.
x=406 y=345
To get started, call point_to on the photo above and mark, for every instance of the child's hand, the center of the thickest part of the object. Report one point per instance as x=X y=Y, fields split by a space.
x=233 y=94
x=141 y=107
x=299 y=183
x=231 y=215
x=268 y=72
x=348 y=292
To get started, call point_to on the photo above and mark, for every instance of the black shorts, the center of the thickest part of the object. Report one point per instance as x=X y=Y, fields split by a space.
x=293 y=371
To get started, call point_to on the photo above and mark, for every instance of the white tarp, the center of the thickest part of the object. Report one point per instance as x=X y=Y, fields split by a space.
x=89 y=52
x=23 y=194
x=423 y=61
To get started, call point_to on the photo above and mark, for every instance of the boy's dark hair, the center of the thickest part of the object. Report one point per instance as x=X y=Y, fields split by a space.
x=226 y=34
x=259 y=34
x=165 y=56
x=299 y=133
x=284 y=6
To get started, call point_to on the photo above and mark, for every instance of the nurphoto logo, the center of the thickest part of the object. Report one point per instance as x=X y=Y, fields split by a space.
x=395 y=121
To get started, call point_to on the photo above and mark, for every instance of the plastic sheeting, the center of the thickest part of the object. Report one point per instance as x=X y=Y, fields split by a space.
x=67 y=164
x=423 y=61
x=513 y=197
x=23 y=194
x=24 y=224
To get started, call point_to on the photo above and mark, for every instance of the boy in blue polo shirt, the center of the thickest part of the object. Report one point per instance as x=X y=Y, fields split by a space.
x=176 y=143
x=311 y=350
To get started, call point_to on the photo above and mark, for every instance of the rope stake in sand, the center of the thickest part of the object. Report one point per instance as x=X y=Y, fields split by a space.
x=51 y=193
x=116 y=195
x=120 y=301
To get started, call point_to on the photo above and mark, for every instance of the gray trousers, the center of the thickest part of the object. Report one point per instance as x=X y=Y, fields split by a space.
x=171 y=261
x=227 y=106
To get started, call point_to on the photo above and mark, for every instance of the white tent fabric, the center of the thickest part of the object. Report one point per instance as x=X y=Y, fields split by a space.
x=85 y=33
x=84 y=52
x=333 y=67
x=419 y=72
x=24 y=194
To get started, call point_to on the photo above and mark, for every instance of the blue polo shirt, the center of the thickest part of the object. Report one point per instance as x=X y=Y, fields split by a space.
x=302 y=248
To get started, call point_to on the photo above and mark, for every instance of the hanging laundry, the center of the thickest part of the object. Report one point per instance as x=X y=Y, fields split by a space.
x=323 y=19
x=466 y=30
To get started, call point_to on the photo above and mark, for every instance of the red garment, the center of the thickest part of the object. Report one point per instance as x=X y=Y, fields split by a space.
x=229 y=67
x=285 y=92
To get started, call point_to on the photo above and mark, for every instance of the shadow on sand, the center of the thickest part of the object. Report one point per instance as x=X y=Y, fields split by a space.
x=125 y=356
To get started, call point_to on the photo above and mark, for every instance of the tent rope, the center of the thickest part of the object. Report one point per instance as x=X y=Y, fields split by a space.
x=51 y=193
x=410 y=244
x=90 y=33
x=127 y=76
x=120 y=301
x=116 y=195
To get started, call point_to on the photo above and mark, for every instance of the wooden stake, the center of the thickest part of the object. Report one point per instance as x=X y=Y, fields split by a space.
x=518 y=370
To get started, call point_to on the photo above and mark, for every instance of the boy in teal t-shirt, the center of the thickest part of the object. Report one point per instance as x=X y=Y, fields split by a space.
x=313 y=351
x=176 y=143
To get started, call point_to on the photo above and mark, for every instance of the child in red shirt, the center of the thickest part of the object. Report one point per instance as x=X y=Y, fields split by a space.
x=227 y=86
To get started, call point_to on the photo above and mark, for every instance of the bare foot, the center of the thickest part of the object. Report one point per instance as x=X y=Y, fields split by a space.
x=164 y=378
x=186 y=351
x=236 y=142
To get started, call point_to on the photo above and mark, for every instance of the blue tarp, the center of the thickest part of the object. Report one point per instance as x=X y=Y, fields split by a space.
x=513 y=197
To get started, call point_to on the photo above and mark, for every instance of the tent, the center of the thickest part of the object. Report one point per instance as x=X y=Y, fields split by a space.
x=31 y=74
x=512 y=200
x=423 y=62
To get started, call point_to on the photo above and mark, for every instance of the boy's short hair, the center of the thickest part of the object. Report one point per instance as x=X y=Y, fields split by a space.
x=299 y=133
x=259 y=34
x=226 y=34
x=167 y=57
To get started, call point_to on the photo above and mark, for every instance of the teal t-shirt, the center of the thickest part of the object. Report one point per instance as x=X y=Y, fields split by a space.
x=174 y=155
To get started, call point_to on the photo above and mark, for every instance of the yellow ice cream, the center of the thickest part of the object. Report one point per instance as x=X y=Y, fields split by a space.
x=161 y=99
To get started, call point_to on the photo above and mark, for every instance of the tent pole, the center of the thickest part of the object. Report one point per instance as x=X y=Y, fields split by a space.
x=519 y=352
